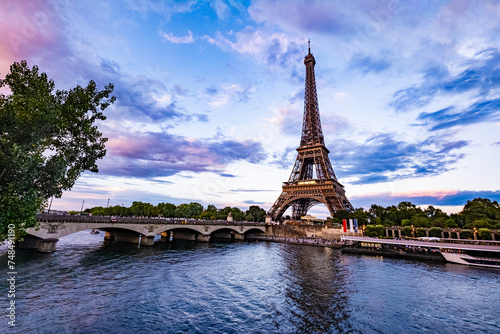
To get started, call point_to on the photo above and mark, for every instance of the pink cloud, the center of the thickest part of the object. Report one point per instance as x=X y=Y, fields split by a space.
x=25 y=28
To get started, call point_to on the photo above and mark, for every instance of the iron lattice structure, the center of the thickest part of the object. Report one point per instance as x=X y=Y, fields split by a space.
x=312 y=180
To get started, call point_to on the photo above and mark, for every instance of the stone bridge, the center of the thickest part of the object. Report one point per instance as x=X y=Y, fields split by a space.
x=134 y=230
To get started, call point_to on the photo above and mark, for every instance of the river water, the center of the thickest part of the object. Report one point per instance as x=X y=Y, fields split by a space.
x=89 y=286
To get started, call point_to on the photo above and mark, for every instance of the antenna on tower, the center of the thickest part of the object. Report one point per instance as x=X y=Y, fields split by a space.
x=309 y=42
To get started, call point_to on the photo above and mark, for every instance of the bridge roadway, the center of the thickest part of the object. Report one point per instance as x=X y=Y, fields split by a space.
x=134 y=230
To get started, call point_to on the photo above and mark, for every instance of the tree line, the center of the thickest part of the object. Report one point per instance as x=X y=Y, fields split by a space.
x=477 y=213
x=169 y=210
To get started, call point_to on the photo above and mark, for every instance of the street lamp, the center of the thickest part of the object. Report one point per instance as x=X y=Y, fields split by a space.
x=81 y=210
x=50 y=205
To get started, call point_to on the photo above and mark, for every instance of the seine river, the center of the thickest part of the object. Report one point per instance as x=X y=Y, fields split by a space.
x=88 y=286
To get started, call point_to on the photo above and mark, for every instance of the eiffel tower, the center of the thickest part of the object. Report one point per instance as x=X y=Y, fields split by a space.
x=312 y=180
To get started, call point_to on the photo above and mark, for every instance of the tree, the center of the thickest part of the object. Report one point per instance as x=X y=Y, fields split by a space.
x=406 y=222
x=47 y=139
x=375 y=230
x=435 y=232
x=194 y=210
x=376 y=211
x=166 y=209
x=362 y=216
x=450 y=223
x=407 y=231
x=420 y=232
x=481 y=210
x=484 y=234
x=255 y=213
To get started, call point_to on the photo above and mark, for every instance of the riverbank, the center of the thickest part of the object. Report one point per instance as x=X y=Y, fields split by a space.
x=417 y=249
x=318 y=242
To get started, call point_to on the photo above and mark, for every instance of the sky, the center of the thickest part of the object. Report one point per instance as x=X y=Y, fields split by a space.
x=210 y=95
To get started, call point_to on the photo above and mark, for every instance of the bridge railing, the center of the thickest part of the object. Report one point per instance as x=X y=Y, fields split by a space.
x=138 y=220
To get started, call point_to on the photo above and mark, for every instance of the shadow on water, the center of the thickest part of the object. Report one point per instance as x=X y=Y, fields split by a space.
x=92 y=286
x=317 y=295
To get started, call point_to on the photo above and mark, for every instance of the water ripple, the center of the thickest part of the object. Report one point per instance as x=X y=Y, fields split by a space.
x=91 y=286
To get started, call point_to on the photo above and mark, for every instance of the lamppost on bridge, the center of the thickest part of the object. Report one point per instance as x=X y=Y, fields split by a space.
x=50 y=205
x=81 y=210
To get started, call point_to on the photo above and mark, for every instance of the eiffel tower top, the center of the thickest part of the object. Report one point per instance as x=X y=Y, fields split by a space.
x=311 y=126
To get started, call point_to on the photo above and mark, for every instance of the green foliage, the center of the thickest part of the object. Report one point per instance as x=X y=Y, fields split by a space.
x=420 y=232
x=478 y=213
x=484 y=234
x=466 y=234
x=388 y=223
x=256 y=214
x=375 y=231
x=435 y=232
x=481 y=213
x=407 y=231
x=478 y=223
x=420 y=220
x=406 y=222
x=340 y=216
x=450 y=223
x=191 y=210
x=362 y=216
x=48 y=138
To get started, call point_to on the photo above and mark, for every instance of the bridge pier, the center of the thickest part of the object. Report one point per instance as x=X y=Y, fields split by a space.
x=109 y=235
x=177 y=235
x=203 y=238
x=147 y=240
x=165 y=236
x=41 y=245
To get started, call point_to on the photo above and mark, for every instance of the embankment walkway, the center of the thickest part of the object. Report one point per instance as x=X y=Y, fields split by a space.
x=318 y=242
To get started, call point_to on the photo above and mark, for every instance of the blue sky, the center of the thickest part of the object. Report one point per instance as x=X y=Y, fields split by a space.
x=210 y=95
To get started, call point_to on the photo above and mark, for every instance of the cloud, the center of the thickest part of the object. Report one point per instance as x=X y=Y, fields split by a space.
x=28 y=28
x=228 y=92
x=226 y=175
x=383 y=158
x=276 y=50
x=254 y=202
x=221 y=9
x=164 y=8
x=317 y=16
x=285 y=159
x=481 y=76
x=251 y=190
x=231 y=150
x=177 y=40
x=480 y=111
x=148 y=155
x=288 y=119
x=339 y=18
x=179 y=90
x=367 y=64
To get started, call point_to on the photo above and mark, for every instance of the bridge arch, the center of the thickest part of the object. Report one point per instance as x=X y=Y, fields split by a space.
x=59 y=230
x=133 y=230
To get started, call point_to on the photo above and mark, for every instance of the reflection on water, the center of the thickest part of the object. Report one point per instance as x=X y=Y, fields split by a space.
x=317 y=295
x=89 y=286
